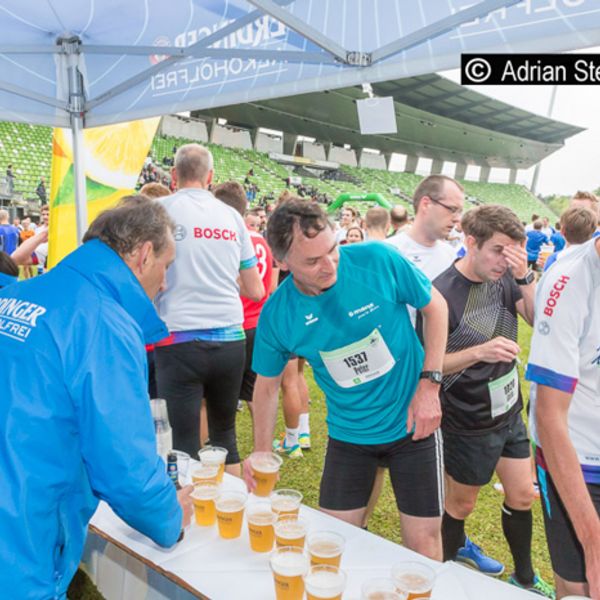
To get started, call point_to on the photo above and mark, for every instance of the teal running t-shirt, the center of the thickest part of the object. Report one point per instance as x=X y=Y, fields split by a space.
x=357 y=337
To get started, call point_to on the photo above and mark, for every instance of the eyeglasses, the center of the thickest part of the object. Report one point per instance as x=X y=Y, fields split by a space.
x=455 y=210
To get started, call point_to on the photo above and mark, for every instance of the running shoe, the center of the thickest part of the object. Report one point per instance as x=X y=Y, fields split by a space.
x=539 y=586
x=304 y=441
x=473 y=556
x=291 y=452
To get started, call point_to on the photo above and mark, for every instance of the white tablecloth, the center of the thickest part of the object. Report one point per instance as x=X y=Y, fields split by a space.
x=227 y=569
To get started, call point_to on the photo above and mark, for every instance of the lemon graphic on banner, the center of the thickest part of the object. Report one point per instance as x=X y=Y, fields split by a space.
x=113 y=157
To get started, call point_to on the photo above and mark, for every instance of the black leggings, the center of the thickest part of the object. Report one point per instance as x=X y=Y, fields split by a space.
x=188 y=372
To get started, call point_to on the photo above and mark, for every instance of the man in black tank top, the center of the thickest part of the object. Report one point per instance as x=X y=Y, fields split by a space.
x=482 y=426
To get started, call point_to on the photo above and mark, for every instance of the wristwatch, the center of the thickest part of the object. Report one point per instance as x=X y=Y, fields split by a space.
x=433 y=376
x=529 y=278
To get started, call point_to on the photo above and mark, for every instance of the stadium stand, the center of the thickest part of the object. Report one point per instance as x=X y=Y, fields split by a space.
x=29 y=148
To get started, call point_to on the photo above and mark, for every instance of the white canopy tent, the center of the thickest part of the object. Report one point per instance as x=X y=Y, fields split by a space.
x=84 y=63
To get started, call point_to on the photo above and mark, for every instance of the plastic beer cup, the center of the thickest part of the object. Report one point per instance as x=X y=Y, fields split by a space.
x=325 y=548
x=325 y=582
x=265 y=469
x=205 y=473
x=290 y=531
x=381 y=589
x=214 y=455
x=289 y=566
x=260 y=520
x=204 y=497
x=230 y=512
x=286 y=502
x=414 y=578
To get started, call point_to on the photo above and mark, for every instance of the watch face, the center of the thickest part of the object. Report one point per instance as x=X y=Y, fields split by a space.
x=436 y=377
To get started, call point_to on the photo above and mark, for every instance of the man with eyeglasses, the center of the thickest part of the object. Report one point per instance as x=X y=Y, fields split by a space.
x=438 y=204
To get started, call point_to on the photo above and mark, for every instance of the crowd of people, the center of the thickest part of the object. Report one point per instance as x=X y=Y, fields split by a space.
x=408 y=324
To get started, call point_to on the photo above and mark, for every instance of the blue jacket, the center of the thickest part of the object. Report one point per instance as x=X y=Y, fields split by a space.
x=75 y=418
x=535 y=240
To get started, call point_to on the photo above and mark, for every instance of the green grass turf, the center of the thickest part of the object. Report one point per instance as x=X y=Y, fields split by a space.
x=483 y=526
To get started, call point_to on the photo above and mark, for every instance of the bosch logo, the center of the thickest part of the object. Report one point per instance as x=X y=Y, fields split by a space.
x=214 y=233
x=180 y=233
x=554 y=295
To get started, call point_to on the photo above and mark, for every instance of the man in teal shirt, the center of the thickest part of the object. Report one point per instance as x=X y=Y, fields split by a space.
x=345 y=311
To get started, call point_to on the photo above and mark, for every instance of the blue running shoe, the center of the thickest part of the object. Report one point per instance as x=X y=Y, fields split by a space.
x=539 y=586
x=473 y=556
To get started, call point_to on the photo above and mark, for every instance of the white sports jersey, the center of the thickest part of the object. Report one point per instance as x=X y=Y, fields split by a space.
x=432 y=260
x=565 y=347
x=213 y=245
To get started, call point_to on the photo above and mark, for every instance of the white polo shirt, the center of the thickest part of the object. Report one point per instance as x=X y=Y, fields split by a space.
x=213 y=246
x=565 y=348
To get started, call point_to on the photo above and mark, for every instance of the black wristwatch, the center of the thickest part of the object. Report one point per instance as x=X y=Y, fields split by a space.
x=529 y=278
x=433 y=376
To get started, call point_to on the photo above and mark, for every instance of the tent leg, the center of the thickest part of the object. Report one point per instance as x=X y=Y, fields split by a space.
x=79 y=176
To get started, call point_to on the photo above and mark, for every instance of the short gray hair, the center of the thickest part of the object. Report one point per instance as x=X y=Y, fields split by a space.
x=133 y=221
x=193 y=162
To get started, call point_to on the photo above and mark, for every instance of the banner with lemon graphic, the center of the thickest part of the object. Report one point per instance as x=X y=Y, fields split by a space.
x=114 y=156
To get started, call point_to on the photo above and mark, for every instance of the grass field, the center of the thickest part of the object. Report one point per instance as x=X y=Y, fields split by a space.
x=484 y=526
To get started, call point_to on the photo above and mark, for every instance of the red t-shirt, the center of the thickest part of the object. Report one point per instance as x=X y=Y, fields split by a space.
x=265 y=270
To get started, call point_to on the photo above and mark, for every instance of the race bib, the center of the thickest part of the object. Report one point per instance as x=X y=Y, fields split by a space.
x=362 y=361
x=504 y=393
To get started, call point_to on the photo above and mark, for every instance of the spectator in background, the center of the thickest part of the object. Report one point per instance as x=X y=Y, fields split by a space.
x=10 y=180
x=534 y=218
x=578 y=226
x=557 y=239
x=377 y=221
x=347 y=219
x=41 y=252
x=17 y=223
x=354 y=235
x=40 y=190
x=155 y=190
x=535 y=240
x=9 y=234
x=547 y=229
x=589 y=201
x=261 y=213
x=204 y=355
x=399 y=220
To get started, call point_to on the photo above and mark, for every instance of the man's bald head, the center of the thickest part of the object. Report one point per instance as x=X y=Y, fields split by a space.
x=193 y=166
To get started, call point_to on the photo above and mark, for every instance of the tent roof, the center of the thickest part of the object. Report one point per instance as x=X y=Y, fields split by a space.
x=436 y=118
x=113 y=61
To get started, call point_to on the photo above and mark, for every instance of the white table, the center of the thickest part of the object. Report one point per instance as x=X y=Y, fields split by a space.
x=124 y=564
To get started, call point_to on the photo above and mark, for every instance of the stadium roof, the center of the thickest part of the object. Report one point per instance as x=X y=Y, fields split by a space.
x=436 y=119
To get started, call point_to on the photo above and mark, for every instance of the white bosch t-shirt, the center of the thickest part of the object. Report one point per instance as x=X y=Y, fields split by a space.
x=432 y=260
x=213 y=246
x=565 y=347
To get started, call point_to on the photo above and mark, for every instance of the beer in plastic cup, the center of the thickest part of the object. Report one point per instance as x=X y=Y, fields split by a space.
x=414 y=578
x=205 y=473
x=260 y=519
x=230 y=512
x=290 y=531
x=214 y=455
x=265 y=469
x=381 y=589
x=325 y=582
x=289 y=565
x=286 y=502
x=325 y=548
x=203 y=497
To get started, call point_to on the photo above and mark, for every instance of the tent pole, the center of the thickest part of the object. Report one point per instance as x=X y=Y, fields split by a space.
x=79 y=175
x=76 y=110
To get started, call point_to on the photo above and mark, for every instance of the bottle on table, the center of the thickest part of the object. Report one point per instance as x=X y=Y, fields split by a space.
x=162 y=427
x=172 y=469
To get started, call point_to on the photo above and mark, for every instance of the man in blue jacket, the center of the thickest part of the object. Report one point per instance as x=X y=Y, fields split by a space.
x=80 y=429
